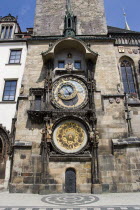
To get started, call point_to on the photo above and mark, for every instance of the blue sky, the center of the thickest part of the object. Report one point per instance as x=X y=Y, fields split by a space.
x=25 y=9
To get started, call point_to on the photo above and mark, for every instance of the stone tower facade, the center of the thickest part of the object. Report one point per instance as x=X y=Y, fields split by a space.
x=90 y=17
x=78 y=116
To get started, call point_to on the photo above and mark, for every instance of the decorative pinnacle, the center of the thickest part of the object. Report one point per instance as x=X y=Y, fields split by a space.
x=68 y=5
x=126 y=23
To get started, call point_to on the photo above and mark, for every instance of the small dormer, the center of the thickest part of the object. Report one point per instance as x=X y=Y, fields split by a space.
x=8 y=27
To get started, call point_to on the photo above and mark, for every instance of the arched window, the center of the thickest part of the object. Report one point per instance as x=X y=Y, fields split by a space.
x=6 y=32
x=127 y=76
x=139 y=65
x=69 y=23
x=1 y=146
x=10 y=32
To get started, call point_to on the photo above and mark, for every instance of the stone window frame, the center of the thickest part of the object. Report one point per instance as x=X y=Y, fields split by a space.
x=130 y=60
x=9 y=33
x=34 y=93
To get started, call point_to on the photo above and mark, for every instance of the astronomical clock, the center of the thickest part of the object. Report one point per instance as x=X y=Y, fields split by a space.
x=70 y=136
x=69 y=93
x=69 y=132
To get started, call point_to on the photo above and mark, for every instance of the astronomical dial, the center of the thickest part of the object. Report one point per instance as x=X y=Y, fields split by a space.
x=69 y=92
x=70 y=136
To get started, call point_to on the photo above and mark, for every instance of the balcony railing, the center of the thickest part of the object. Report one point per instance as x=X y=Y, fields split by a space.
x=37 y=105
x=37 y=111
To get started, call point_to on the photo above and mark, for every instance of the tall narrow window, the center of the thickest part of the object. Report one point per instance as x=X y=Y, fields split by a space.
x=10 y=32
x=2 y=32
x=0 y=146
x=69 y=23
x=6 y=32
x=15 y=56
x=9 y=90
x=127 y=77
x=37 y=103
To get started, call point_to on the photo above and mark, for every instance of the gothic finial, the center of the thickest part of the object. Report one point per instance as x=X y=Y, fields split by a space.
x=70 y=20
x=126 y=23
x=68 y=5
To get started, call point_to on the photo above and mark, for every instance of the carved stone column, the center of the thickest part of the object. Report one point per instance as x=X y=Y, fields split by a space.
x=45 y=148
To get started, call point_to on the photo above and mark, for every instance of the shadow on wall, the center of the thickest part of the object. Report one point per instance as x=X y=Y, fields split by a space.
x=42 y=74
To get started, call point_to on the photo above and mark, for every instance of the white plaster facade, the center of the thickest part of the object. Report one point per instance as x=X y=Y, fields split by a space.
x=10 y=72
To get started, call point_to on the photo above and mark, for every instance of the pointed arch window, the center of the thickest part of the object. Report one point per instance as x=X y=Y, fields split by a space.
x=69 y=22
x=127 y=77
x=1 y=146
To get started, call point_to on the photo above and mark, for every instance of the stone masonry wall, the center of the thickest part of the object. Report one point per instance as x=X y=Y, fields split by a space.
x=49 y=18
x=26 y=174
x=120 y=172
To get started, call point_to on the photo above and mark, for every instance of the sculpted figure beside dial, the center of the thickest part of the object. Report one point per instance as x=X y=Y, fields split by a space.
x=69 y=92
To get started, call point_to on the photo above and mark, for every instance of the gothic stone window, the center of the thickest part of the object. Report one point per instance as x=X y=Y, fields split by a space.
x=9 y=90
x=0 y=147
x=127 y=77
x=15 y=57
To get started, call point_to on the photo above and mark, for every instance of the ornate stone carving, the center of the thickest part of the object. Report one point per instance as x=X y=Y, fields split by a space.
x=70 y=135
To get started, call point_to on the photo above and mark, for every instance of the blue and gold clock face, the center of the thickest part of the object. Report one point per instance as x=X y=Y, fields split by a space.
x=69 y=92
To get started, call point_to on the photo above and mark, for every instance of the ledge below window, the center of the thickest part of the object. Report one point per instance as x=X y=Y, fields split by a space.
x=12 y=64
x=125 y=143
x=8 y=102
x=133 y=102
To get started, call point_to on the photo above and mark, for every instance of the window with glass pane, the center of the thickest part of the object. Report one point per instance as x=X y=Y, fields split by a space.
x=77 y=64
x=37 y=103
x=61 y=64
x=10 y=32
x=6 y=32
x=0 y=146
x=127 y=77
x=2 y=32
x=15 y=56
x=9 y=90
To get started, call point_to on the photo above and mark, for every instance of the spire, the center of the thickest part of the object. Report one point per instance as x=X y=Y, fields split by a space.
x=68 y=6
x=70 y=21
x=126 y=23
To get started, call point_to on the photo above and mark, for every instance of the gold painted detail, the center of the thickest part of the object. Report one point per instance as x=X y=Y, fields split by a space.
x=64 y=93
x=70 y=135
x=69 y=92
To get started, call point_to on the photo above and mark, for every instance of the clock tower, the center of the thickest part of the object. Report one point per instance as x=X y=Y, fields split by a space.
x=69 y=137
x=50 y=15
x=71 y=113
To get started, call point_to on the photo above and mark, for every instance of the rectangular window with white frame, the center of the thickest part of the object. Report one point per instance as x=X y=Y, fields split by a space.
x=15 y=56
x=9 y=92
